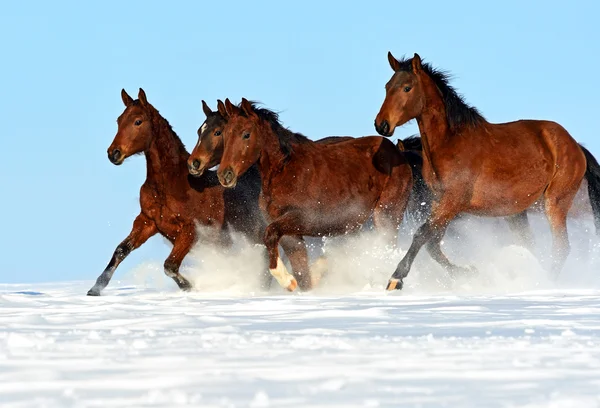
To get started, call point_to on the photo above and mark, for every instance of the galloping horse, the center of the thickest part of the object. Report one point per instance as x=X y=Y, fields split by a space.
x=474 y=166
x=207 y=154
x=172 y=201
x=312 y=189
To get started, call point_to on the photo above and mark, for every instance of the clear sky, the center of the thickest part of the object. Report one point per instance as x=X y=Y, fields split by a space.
x=323 y=64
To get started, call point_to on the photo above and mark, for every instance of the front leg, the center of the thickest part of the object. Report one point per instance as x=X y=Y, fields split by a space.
x=433 y=229
x=143 y=228
x=295 y=249
x=287 y=224
x=181 y=247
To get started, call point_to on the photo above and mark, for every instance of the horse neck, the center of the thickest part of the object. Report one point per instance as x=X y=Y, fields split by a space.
x=272 y=159
x=166 y=157
x=432 y=121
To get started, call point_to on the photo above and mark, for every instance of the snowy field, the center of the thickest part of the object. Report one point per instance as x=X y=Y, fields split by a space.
x=509 y=337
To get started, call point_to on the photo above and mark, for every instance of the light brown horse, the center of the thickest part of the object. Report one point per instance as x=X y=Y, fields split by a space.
x=172 y=202
x=312 y=189
x=478 y=167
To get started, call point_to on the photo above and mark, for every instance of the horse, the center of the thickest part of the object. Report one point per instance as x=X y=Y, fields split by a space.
x=172 y=202
x=207 y=153
x=312 y=189
x=477 y=167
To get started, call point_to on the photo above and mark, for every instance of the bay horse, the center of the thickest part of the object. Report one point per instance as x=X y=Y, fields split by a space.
x=207 y=153
x=482 y=168
x=172 y=202
x=313 y=189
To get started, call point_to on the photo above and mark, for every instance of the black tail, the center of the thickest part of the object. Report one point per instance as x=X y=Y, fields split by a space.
x=419 y=205
x=592 y=175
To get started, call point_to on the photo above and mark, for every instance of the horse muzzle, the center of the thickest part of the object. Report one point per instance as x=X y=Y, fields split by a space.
x=227 y=178
x=383 y=128
x=194 y=167
x=116 y=157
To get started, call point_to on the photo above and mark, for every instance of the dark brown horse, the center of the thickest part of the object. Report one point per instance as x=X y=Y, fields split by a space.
x=208 y=153
x=477 y=167
x=172 y=201
x=312 y=189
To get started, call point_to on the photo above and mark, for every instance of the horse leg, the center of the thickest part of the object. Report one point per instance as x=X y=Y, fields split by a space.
x=557 y=208
x=273 y=233
x=143 y=228
x=519 y=225
x=434 y=228
x=295 y=249
x=392 y=204
x=181 y=247
x=266 y=277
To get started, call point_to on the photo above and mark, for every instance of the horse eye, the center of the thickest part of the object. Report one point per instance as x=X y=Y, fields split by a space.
x=138 y=122
x=407 y=89
x=218 y=133
x=246 y=136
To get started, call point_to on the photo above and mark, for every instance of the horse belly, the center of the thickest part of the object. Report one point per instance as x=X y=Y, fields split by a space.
x=498 y=198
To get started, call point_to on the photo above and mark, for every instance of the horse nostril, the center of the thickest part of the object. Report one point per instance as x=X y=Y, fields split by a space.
x=114 y=156
x=228 y=176
x=196 y=164
x=383 y=128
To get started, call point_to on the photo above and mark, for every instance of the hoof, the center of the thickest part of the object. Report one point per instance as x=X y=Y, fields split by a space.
x=395 y=284
x=293 y=285
x=93 y=292
x=185 y=286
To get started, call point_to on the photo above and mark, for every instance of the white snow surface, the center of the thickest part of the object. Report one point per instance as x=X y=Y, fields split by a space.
x=509 y=337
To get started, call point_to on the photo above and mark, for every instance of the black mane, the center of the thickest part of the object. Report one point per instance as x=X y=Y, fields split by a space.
x=287 y=138
x=412 y=142
x=458 y=112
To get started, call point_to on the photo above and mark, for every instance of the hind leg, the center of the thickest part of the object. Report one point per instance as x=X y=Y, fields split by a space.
x=295 y=249
x=519 y=225
x=557 y=208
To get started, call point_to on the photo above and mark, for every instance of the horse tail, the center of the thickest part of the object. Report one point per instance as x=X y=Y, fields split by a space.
x=592 y=175
x=419 y=205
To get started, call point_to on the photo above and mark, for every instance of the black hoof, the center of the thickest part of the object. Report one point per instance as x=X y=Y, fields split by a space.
x=185 y=286
x=93 y=292
x=395 y=284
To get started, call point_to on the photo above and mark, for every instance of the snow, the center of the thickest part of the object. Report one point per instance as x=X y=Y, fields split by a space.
x=508 y=337
x=144 y=347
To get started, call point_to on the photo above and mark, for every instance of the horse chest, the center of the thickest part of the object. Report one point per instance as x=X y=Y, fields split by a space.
x=168 y=218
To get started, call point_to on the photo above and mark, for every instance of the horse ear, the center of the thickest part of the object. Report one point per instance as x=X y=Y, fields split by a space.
x=206 y=109
x=142 y=98
x=400 y=145
x=221 y=109
x=229 y=108
x=393 y=62
x=416 y=63
x=127 y=100
x=247 y=107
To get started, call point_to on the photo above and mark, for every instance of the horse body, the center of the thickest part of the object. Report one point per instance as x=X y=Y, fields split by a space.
x=329 y=204
x=478 y=167
x=172 y=202
x=312 y=189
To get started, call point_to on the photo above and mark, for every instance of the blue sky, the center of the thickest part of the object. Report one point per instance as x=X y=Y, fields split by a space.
x=322 y=64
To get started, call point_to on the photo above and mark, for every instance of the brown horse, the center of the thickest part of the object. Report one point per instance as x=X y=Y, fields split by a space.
x=208 y=153
x=171 y=201
x=477 y=167
x=312 y=189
